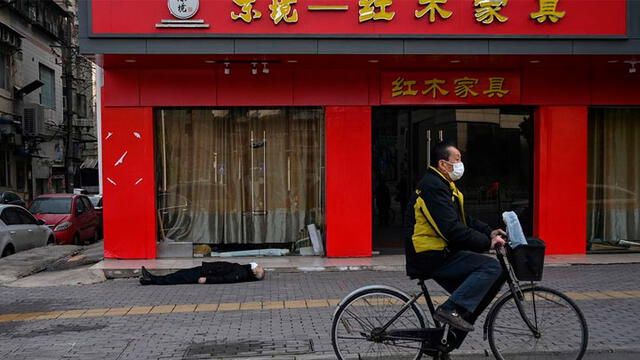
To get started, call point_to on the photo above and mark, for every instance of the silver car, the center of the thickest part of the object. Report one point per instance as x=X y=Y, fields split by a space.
x=19 y=231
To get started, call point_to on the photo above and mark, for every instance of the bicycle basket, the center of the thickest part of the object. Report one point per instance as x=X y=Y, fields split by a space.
x=528 y=260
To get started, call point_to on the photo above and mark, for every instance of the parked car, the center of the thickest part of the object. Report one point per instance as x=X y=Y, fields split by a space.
x=10 y=198
x=20 y=231
x=96 y=200
x=72 y=217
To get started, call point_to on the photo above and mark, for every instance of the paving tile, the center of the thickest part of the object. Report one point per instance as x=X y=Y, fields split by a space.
x=139 y=310
x=95 y=312
x=229 y=306
x=294 y=304
x=117 y=311
x=162 y=309
x=273 y=305
x=184 y=308
x=317 y=303
x=28 y=316
x=71 y=314
x=50 y=315
x=206 y=307
x=251 y=306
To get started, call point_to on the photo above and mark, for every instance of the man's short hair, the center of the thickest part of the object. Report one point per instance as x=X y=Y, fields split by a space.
x=440 y=151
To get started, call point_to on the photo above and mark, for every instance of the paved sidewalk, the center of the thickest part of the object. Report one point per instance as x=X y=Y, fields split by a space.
x=29 y=262
x=115 y=268
x=286 y=316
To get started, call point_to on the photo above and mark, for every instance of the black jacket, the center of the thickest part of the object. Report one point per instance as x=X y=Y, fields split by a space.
x=220 y=272
x=468 y=234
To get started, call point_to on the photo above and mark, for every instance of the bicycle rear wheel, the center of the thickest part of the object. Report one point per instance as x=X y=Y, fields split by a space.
x=357 y=318
x=560 y=323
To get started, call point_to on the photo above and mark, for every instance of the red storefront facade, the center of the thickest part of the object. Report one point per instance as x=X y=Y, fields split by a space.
x=560 y=71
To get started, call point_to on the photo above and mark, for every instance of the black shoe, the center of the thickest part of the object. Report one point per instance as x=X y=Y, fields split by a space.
x=146 y=278
x=453 y=318
x=145 y=273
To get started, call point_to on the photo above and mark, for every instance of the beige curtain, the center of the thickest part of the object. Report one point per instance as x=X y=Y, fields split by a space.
x=239 y=175
x=613 y=199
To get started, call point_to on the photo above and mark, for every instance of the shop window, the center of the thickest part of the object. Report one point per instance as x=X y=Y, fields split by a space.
x=239 y=177
x=613 y=181
x=48 y=90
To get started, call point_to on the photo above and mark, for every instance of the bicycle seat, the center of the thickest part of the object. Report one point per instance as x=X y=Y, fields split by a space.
x=419 y=277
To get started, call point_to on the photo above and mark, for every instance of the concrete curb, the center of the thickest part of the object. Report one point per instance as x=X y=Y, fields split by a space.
x=31 y=261
x=78 y=276
x=123 y=273
x=129 y=273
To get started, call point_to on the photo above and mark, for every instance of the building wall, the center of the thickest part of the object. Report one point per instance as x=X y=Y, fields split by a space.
x=40 y=47
x=562 y=93
x=35 y=50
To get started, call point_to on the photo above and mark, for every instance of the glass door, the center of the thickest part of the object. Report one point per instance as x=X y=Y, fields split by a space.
x=496 y=146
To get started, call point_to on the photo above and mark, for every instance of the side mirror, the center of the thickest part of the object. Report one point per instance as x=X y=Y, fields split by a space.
x=40 y=222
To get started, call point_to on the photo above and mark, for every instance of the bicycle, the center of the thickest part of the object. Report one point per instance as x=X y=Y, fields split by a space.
x=393 y=326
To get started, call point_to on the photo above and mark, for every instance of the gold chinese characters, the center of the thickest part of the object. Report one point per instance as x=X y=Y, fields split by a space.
x=548 y=10
x=464 y=87
x=432 y=8
x=485 y=12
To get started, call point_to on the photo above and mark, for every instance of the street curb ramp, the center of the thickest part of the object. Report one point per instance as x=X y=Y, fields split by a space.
x=31 y=261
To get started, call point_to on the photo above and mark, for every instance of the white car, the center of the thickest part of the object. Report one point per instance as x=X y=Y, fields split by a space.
x=19 y=230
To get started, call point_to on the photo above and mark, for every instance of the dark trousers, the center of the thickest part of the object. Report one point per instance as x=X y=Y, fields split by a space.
x=473 y=280
x=184 y=276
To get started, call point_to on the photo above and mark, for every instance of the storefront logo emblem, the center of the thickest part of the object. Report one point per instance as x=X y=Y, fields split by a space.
x=183 y=9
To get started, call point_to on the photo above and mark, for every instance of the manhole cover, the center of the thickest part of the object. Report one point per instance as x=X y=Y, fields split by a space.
x=246 y=348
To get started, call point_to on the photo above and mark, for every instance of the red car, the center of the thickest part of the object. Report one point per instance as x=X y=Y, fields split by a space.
x=71 y=217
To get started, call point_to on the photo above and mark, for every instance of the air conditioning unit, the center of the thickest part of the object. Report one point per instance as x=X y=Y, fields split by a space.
x=33 y=120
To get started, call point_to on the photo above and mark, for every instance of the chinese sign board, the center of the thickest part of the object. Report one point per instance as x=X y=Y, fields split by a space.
x=456 y=88
x=362 y=17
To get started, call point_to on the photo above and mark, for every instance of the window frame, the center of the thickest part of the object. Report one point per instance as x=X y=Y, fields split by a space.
x=52 y=104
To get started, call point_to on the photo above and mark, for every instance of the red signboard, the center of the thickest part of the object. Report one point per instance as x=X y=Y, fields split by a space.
x=359 y=17
x=455 y=88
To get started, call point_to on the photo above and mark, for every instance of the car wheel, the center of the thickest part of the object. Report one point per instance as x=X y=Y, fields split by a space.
x=94 y=238
x=76 y=240
x=8 y=251
x=51 y=240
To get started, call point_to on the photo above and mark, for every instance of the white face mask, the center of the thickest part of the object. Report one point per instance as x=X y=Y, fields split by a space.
x=458 y=170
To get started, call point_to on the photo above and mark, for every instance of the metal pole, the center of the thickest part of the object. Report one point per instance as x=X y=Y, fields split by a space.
x=67 y=75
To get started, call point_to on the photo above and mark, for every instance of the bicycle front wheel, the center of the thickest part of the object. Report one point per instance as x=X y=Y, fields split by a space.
x=356 y=320
x=560 y=324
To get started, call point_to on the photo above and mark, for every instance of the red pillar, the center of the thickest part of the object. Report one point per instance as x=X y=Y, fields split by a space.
x=560 y=180
x=348 y=179
x=129 y=183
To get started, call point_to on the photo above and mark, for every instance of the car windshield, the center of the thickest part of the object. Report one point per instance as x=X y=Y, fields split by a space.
x=51 y=206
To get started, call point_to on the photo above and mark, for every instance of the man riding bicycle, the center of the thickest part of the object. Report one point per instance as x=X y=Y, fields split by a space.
x=444 y=244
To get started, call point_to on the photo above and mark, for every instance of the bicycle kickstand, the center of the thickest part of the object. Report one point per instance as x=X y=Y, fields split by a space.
x=443 y=341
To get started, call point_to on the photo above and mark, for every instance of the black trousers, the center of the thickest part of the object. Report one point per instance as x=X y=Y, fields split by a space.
x=473 y=280
x=184 y=276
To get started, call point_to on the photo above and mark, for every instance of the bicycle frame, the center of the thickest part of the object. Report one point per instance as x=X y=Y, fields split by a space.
x=514 y=289
x=406 y=306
